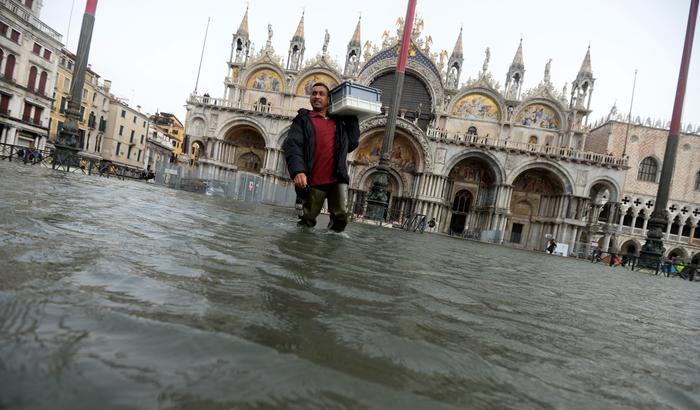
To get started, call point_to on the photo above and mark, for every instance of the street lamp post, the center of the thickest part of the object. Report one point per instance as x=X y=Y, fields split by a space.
x=68 y=141
x=653 y=249
x=378 y=200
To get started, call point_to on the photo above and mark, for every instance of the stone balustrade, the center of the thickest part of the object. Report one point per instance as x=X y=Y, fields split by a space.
x=537 y=149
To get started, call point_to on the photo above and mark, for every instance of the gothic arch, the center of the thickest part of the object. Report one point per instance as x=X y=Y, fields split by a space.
x=310 y=71
x=492 y=94
x=556 y=169
x=553 y=104
x=625 y=245
x=250 y=72
x=487 y=157
x=610 y=183
x=411 y=129
x=247 y=121
x=402 y=183
x=680 y=251
x=432 y=82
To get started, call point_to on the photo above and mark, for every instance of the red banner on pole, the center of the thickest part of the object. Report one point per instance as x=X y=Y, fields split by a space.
x=90 y=7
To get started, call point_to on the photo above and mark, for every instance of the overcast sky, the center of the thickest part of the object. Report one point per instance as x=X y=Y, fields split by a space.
x=150 y=49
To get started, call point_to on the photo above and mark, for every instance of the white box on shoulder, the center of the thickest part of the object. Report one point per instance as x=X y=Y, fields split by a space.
x=348 y=98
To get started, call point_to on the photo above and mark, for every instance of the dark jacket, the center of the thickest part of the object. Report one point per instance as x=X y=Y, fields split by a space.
x=301 y=142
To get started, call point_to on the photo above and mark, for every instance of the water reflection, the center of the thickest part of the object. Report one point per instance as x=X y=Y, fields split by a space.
x=117 y=294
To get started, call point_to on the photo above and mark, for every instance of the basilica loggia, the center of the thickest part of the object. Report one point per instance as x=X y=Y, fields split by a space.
x=493 y=162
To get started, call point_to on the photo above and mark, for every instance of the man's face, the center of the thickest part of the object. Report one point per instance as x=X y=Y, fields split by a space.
x=319 y=98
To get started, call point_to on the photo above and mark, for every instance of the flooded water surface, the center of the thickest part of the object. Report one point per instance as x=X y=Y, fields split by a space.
x=122 y=295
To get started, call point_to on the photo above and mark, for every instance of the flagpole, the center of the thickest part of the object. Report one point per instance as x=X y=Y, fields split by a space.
x=653 y=248
x=378 y=200
x=201 y=57
x=629 y=116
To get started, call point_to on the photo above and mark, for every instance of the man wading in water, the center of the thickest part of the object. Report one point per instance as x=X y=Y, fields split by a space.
x=316 y=151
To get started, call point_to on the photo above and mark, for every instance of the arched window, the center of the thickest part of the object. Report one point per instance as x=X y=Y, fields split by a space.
x=472 y=130
x=31 y=84
x=10 y=67
x=42 y=82
x=648 y=169
x=697 y=181
x=462 y=202
x=533 y=139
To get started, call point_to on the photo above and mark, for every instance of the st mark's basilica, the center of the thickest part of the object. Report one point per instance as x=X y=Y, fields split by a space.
x=500 y=163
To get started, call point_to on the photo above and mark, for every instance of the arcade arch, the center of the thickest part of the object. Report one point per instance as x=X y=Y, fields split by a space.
x=243 y=146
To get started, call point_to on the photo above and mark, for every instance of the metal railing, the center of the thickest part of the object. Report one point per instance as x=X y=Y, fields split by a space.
x=555 y=152
x=235 y=105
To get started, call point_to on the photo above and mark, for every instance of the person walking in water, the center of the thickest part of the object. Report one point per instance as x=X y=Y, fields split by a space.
x=316 y=151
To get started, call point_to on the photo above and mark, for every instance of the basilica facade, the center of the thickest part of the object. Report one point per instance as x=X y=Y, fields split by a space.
x=495 y=162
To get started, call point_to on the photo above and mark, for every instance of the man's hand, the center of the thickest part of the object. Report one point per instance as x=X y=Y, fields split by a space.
x=300 y=180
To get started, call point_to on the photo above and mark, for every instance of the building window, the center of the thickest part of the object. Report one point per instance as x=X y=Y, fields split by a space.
x=42 y=82
x=4 y=103
x=697 y=181
x=69 y=65
x=3 y=29
x=141 y=138
x=144 y=124
x=138 y=158
x=648 y=169
x=63 y=107
x=123 y=114
x=121 y=130
x=59 y=127
x=37 y=49
x=31 y=84
x=103 y=124
x=119 y=146
x=38 y=111
x=131 y=139
x=29 y=3
x=66 y=84
x=82 y=113
x=47 y=54
x=134 y=119
x=10 y=67
x=533 y=139
x=471 y=130
x=14 y=36
x=128 y=152
x=85 y=93
x=91 y=120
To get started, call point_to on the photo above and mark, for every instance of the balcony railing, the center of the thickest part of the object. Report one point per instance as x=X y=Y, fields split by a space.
x=554 y=152
x=255 y=107
x=27 y=16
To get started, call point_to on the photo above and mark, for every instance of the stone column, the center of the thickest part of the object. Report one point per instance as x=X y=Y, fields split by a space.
x=644 y=227
x=668 y=228
x=606 y=242
x=623 y=212
x=693 y=226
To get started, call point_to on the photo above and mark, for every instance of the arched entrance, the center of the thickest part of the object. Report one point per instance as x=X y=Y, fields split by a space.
x=460 y=209
x=244 y=147
x=537 y=205
x=472 y=192
x=406 y=159
x=680 y=252
x=696 y=258
x=630 y=248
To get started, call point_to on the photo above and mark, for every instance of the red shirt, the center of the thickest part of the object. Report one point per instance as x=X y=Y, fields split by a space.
x=323 y=171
